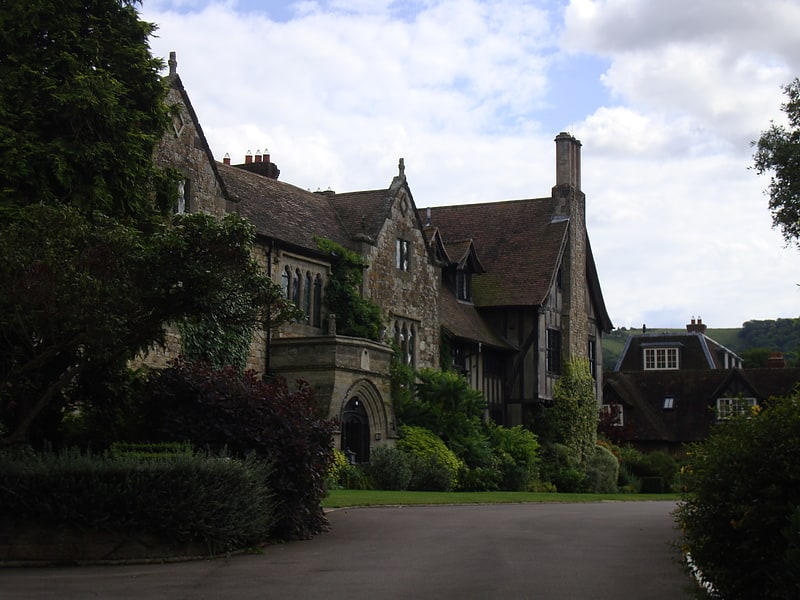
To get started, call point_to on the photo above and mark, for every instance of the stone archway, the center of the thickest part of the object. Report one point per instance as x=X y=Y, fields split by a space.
x=355 y=431
x=363 y=419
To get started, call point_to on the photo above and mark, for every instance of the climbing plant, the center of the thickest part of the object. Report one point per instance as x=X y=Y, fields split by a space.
x=574 y=416
x=356 y=316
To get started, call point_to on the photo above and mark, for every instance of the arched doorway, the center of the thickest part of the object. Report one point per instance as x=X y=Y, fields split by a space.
x=355 y=431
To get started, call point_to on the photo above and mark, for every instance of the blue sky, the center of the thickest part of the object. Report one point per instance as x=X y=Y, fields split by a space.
x=665 y=97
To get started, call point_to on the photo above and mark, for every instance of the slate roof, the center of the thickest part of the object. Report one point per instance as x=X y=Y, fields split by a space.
x=283 y=212
x=517 y=241
x=698 y=351
x=695 y=393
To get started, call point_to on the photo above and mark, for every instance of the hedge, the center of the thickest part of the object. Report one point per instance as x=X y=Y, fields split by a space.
x=223 y=503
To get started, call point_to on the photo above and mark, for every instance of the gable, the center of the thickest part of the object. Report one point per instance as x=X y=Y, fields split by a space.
x=184 y=147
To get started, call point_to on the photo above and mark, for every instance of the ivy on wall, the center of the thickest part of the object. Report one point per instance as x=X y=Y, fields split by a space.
x=574 y=416
x=355 y=316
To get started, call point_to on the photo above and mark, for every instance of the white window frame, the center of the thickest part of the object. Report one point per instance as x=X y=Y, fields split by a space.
x=615 y=414
x=727 y=408
x=661 y=359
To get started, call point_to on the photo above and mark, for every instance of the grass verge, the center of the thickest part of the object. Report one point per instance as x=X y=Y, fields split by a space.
x=344 y=498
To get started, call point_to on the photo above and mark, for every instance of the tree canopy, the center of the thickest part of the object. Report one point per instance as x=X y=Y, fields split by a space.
x=81 y=107
x=92 y=267
x=778 y=153
x=80 y=298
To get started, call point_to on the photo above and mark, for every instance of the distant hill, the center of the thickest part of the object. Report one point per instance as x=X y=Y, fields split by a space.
x=780 y=335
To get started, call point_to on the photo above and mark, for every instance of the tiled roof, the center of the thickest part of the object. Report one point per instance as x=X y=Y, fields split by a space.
x=364 y=213
x=284 y=212
x=464 y=255
x=518 y=244
x=462 y=321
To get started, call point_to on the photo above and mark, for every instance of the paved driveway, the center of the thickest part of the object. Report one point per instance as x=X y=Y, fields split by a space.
x=607 y=550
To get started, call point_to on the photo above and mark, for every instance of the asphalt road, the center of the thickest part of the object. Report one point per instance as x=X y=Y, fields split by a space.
x=597 y=551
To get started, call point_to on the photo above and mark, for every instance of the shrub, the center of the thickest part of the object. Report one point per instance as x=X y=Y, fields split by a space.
x=561 y=467
x=517 y=453
x=602 y=472
x=389 y=468
x=646 y=466
x=224 y=408
x=428 y=453
x=223 y=503
x=739 y=511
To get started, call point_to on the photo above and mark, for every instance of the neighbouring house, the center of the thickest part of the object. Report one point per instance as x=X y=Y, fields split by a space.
x=504 y=292
x=669 y=389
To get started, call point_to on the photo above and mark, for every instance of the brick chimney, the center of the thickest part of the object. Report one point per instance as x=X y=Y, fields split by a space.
x=776 y=361
x=226 y=160
x=261 y=165
x=696 y=326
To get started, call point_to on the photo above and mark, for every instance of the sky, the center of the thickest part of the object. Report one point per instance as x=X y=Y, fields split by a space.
x=666 y=98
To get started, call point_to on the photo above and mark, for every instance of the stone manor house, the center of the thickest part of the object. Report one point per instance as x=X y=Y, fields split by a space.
x=509 y=288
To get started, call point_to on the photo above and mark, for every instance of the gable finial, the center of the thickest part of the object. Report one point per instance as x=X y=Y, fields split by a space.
x=401 y=167
x=173 y=63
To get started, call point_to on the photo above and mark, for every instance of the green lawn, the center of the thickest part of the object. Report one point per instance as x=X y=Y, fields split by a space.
x=344 y=498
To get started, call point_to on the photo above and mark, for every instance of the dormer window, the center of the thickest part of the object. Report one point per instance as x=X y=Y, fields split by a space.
x=660 y=358
x=464 y=285
x=402 y=255
x=727 y=408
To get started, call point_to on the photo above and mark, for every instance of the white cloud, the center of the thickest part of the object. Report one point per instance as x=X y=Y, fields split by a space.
x=464 y=91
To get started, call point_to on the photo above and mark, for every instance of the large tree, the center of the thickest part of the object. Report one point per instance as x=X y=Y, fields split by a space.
x=91 y=267
x=778 y=152
x=82 y=297
x=81 y=106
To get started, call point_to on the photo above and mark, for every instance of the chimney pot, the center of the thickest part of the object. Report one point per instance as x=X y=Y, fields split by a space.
x=226 y=160
x=266 y=155
x=248 y=158
x=258 y=156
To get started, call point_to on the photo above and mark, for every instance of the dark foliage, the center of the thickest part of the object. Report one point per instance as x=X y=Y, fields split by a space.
x=177 y=498
x=739 y=512
x=778 y=153
x=81 y=105
x=82 y=297
x=782 y=335
x=218 y=409
x=355 y=316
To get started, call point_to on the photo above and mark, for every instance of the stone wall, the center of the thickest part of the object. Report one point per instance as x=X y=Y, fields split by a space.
x=408 y=297
x=338 y=368
x=184 y=148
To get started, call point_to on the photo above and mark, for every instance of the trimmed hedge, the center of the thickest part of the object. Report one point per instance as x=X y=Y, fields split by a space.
x=221 y=502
